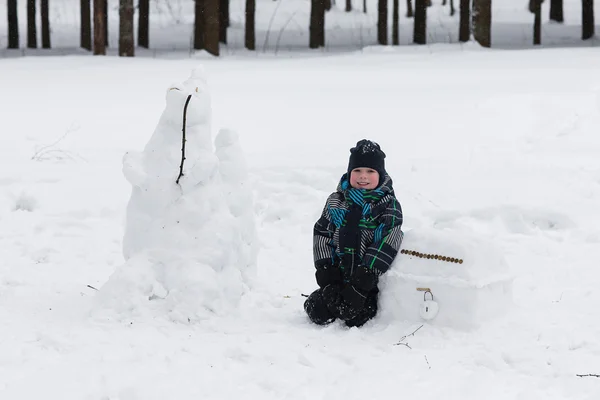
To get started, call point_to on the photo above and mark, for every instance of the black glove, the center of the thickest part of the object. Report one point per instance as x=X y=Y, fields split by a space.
x=364 y=279
x=328 y=274
x=354 y=297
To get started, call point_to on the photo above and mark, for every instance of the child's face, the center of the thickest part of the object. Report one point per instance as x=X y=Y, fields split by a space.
x=364 y=178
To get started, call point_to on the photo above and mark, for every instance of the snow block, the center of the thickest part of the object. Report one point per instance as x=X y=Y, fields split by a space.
x=466 y=276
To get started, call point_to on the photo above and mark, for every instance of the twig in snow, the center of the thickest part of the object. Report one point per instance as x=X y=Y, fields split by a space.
x=400 y=342
x=589 y=375
x=427 y=361
x=91 y=287
x=183 y=139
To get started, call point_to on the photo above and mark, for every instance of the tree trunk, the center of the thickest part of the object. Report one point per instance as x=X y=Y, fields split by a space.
x=211 y=26
x=327 y=5
x=382 y=22
x=13 y=25
x=99 y=28
x=250 y=37
x=365 y=6
x=464 y=33
x=452 y=9
x=348 y=5
x=396 y=23
x=556 y=11
x=420 y=25
x=199 y=25
x=86 y=25
x=409 y=9
x=144 y=24
x=587 y=19
x=316 y=28
x=31 y=28
x=536 y=7
x=223 y=20
x=106 y=23
x=482 y=22
x=126 y=40
x=45 y=24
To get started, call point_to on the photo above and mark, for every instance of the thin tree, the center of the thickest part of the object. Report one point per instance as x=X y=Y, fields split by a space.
x=482 y=22
x=464 y=32
x=316 y=27
x=365 y=6
x=396 y=23
x=45 y=24
x=587 y=19
x=223 y=20
x=86 y=25
x=126 y=40
x=250 y=36
x=144 y=23
x=13 y=25
x=31 y=27
x=99 y=28
x=535 y=6
x=106 y=23
x=382 y=22
x=199 y=24
x=556 y=11
x=348 y=5
x=409 y=9
x=452 y=9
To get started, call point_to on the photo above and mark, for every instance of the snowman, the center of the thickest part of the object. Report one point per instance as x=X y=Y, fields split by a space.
x=190 y=239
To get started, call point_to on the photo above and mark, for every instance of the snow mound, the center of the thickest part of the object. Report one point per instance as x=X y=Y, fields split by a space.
x=190 y=240
x=468 y=277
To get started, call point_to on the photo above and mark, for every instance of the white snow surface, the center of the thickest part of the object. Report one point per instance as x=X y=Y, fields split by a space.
x=501 y=146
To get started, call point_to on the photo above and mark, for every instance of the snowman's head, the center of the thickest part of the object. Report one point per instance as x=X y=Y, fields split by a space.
x=198 y=109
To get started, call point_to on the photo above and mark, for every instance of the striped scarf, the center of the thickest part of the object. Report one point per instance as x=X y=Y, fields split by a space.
x=357 y=217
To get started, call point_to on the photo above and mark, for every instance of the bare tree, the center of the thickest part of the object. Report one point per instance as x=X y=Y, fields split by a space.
x=31 y=28
x=452 y=9
x=396 y=23
x=482 y=22
x=382 y=22
x=199 y=24
x=420 y=25
x=144 y=23
x=556 y=11
x=223 y=20
x=464 y=33
x=365 y=6
x=86 y=25
x=13 y=25
x=211 y=26
x=45 y=24
x=587 y=19
x=250 y=37
x=409 y=9
x=99 y=27
x=316 y=28
x=348 y=5
x=535 y=6
x=126 y=40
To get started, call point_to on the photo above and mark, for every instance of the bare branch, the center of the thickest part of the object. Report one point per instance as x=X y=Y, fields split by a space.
x=589 y=375
x=400 y=342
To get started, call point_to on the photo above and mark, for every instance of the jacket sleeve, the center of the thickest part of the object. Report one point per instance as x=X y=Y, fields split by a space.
x=323 y=243
x=387 y=239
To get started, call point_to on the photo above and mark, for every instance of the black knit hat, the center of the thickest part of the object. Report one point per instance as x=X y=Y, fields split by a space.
x=367 y=154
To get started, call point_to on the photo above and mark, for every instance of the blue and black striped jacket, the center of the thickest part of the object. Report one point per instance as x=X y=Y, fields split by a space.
x=380 y=228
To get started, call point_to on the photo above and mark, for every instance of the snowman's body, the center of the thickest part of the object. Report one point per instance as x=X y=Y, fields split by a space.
x=185 y=241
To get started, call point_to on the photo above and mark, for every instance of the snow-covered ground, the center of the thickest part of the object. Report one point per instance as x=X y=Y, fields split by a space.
x=502 y=145
x=499 y=144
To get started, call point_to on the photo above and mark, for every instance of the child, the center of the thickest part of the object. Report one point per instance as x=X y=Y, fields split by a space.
x=355 y=240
